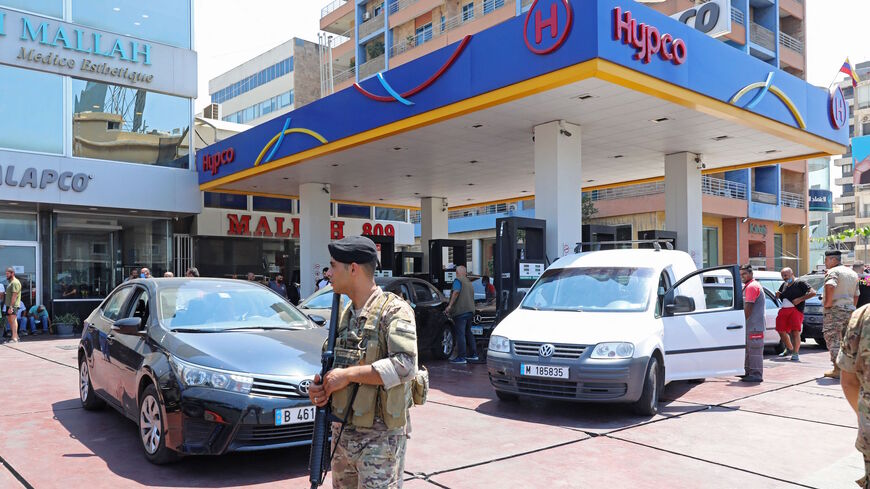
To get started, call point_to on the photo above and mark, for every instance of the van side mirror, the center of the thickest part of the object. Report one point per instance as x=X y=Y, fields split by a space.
x=661 y=292
x=681 y=304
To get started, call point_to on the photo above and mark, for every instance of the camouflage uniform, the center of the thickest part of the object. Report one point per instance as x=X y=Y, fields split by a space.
x=371 y=454
x=845 y=283
x=854 y=357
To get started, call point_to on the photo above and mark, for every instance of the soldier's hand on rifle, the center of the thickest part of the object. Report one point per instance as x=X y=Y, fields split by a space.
x=317 y=393
x=336 y=380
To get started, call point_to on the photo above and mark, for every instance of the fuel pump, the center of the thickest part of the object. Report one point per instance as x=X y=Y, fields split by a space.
x=520 y=258
x=439 y=275
x=407 y=263
x=386 y=250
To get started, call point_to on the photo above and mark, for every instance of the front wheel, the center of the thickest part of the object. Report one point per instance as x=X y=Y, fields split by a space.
x=90 y=401
x=648 y=404
x=152 y=429
x=443 y=346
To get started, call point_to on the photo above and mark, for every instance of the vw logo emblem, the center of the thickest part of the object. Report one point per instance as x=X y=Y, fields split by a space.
x=303 y=386
x=546 y=350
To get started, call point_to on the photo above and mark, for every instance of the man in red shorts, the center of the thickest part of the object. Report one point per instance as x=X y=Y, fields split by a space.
x=793 y=292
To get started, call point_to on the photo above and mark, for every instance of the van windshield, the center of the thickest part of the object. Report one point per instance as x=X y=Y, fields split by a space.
x=599 y=289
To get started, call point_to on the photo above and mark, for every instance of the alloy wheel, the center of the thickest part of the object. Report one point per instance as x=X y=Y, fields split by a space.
x=654 y=378
x=84 y=381
x=447 y=342
x=150 y=424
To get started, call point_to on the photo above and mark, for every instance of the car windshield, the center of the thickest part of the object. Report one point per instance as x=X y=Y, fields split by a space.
x=218 y=305
x=591 y=289
x=322 y=299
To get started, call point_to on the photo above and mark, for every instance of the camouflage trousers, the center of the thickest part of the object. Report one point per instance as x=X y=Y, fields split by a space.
x=834 y=324
x=864 y=482
x=368 y=458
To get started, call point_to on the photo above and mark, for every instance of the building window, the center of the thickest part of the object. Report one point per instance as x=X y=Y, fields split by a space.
x=490 y=5
x=30 y=105
x=865 y=129
x=357 y=211
x=390 y=214
x=424 y=34
x=272 y=204
x=17 y=227
x=847 y=189
x=378 y=10
x=467 y=12
x=225 y=201
x=443 y=23
x=166 y=21
x=53 y=8
x=862 y=96
x=261 y=109
x=262 y=77
x=777 y=252
x=711 y=247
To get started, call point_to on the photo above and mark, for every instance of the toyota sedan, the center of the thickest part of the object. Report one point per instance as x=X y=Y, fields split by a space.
x=203 y=366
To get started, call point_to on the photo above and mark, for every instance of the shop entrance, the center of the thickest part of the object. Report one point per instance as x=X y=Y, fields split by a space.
x=23 y=256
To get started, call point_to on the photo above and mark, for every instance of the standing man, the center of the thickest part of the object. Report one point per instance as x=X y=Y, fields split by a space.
x=863 y=285
x=324 y=281
x=192 y=272
x=793 y=292
x=251 y=277
x=278 y=286
x=12 y=302
x=840 y=297
x=375 y=362
x=854 y=363
x=753 y=310
x=461 y=309
x=146 y=273
x=134 y=274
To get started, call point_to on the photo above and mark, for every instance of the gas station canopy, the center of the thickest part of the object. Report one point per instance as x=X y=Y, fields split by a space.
x=459 y=123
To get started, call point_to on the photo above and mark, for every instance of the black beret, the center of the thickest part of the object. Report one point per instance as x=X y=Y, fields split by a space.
x=353 y=249
x=836 y=253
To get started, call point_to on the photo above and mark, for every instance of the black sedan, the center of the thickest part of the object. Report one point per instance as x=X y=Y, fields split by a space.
x=434 y=328
x=203 y=366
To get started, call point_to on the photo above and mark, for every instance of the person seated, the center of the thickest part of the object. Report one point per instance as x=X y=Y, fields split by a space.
x=37 y=316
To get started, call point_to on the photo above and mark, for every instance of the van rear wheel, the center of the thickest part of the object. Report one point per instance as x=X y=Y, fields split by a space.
x=648 y=404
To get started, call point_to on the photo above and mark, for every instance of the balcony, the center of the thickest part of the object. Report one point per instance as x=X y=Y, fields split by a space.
x=709 y=186
x=763 y=197
x=343 y=76
x=332 y=7
x=479 y=11
x=372 y=67
x=723 y=188
x=371 y=26
x=796 y=201
x=337 y=16
x=762 y=36
x=792 y=43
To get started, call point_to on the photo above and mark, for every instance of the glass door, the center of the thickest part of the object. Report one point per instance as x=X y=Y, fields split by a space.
x=23 y=257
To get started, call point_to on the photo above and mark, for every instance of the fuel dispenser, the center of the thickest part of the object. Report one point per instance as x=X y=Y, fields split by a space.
x=386 y=254
x=520 y=258
x=407 y=263
x=439 y=275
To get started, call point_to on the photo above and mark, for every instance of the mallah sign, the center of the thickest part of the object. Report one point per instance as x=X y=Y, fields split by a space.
x=45 y=44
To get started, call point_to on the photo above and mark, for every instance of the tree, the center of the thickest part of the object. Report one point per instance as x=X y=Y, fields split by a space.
x=588 y=207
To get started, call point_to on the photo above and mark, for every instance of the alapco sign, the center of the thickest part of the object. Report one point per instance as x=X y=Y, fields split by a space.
x=821 y=200
x=45 y=44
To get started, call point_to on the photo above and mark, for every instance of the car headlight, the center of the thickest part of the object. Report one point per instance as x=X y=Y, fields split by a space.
x=197 y=376
x=613 y=350
x=499 y=344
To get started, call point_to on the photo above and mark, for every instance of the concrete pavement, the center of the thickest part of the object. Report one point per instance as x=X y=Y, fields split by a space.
x=793 y=430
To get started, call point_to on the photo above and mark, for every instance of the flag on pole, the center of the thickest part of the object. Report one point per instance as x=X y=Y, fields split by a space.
x=849 y=70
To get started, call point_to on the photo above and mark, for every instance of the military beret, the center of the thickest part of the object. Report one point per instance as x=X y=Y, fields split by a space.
x=353 y=249
x=836 y=253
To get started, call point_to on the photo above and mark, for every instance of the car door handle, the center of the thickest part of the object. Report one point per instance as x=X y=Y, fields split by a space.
x=735 y=326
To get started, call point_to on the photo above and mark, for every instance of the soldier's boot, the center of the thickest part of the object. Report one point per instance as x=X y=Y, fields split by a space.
x=833 y=374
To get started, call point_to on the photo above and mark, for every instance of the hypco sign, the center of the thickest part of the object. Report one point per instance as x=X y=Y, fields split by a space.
x=712 y=18
x=272 y=225
x=46 y=44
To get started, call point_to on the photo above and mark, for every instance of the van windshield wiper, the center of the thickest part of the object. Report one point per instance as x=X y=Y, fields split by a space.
x=567 y=309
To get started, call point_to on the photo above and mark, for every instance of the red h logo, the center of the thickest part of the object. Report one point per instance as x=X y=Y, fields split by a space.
x=552 y=22
x=558 y=22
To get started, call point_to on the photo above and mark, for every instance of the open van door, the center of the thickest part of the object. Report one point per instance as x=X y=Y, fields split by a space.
x=700 y=340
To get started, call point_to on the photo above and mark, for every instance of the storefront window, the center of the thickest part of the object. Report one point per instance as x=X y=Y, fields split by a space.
x=53 y=8
x=350 y=210
x=165 y=21
x=30 y=102
x=225 y=201
x=235 y=257
x=390 y=214
x=112 y=122
x=273 y=204
x=17 y=227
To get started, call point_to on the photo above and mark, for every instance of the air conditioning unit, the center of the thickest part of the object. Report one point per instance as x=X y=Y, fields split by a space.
x=512 y=208
x=367 y=16
x=212 y=111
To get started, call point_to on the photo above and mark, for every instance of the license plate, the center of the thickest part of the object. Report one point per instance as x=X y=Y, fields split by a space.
x=477 y=330
x=295 y=415
x=543 y=371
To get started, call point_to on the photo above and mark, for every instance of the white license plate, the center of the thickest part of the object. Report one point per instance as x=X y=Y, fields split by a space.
x=477 y=330
x=295 y=415
x=543 y=371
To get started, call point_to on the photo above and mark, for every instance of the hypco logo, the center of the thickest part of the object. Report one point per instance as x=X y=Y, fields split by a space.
x=546 y=350
x=547 y=25
x=212 y=163
x=303 y=386
x=647 y=40
x=839 y=109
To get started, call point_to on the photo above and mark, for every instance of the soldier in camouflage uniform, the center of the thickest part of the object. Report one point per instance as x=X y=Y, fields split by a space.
x=375 y=363
x=854 y=363
x=840 y=297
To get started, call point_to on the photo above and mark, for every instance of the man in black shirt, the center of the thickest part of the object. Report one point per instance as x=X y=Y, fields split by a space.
x=863 y=285
x=793 y=292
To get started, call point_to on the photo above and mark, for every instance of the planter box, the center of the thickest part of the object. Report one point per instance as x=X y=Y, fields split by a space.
x=64 y=329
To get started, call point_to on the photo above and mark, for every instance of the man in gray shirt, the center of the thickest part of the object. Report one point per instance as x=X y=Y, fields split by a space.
x=753 y=309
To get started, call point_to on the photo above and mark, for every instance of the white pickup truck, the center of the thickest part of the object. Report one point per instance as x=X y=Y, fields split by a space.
x=616 y=326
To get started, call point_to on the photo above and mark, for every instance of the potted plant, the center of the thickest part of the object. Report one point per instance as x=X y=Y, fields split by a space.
x=65 y=324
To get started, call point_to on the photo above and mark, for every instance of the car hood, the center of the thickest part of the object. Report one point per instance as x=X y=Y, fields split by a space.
x=277 y=352
x=583 y=328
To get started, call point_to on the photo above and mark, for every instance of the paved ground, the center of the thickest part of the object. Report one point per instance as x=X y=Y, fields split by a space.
x=794 y=430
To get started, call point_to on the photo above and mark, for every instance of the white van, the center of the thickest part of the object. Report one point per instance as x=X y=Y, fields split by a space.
x=616 y=326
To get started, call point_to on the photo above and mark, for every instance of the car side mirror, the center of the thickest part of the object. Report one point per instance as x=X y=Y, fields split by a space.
x=661 y=291
x=318 y=320
x=681 y=304
x=128 y=326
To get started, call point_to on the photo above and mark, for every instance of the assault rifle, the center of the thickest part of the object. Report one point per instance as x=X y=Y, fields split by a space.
x=318 y=463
